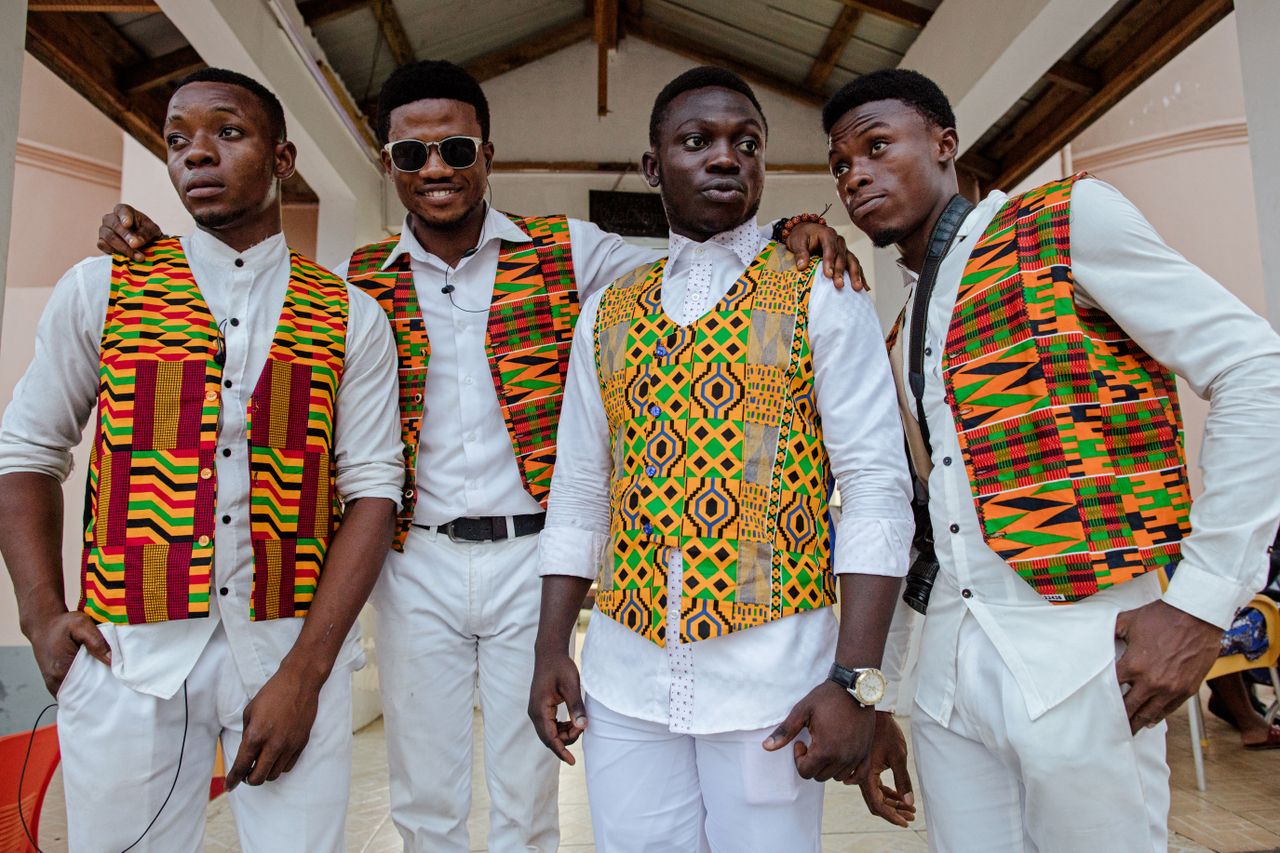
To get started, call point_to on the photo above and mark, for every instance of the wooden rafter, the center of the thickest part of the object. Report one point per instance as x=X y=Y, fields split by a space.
x=531 y=49
x=647 y=29
x=393 y=31
x=1136 y=45
x=838 y=39
x=898 y=11
x=318 y=11
x=154 y=73
x=92 y=6
x=606 y=36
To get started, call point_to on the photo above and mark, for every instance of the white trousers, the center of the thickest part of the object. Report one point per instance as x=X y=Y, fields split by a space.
x=1075 y=780
x=451 y=615
x=121 y=749
x=652 y=790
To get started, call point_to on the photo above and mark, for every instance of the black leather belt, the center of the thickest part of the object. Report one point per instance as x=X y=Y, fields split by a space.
x=490 y=528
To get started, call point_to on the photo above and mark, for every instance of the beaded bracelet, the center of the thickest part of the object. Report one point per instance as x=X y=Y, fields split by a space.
x=785 y=231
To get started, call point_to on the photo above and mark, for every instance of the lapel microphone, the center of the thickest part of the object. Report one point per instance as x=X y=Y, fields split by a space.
x=448 y=288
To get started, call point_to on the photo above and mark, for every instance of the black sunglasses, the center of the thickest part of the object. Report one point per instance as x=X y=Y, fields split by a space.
x=410 y=155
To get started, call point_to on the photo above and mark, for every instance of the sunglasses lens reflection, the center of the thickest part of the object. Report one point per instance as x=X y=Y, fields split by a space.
x=457 y=152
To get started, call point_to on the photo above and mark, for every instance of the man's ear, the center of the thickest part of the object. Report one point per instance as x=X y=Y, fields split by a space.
x=486 y=149
x=948 y=143
x=286 y=160
x=649 y=165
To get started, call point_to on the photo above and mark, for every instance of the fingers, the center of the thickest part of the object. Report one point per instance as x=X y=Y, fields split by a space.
x=834 y=263
x=788 y=728
x=246 y=755
x=857 y=276
x=264 y=767
x=883 y=802
x=113 y=242
x=802 y=258
x=902 y=779
x=86 y=634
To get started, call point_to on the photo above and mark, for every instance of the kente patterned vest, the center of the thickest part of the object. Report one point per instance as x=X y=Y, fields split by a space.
x=1070 y=432
x=150 y=514
x=531 y=318
x=717 y=451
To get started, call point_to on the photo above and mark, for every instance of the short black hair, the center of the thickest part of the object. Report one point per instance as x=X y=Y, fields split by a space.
x=702 y=77
x=891 y=84
x=270 y=103
x=427 y=79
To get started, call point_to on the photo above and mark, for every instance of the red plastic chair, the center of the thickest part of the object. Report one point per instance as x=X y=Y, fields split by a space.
x=40 y=767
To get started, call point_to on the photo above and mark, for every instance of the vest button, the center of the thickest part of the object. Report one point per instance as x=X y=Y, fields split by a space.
x=648 y=528
x=654 y=410
x=955 y=528
x=206 y=473
x=408 y=493
x=651 y=470
x=660 y=351
x=417 y=398
x=203 y=541
x=211 y=395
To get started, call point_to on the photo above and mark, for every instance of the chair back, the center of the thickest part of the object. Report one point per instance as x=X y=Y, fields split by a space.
x=40 y=766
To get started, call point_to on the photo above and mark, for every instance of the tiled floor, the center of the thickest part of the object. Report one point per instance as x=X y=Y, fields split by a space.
x=1239 y=812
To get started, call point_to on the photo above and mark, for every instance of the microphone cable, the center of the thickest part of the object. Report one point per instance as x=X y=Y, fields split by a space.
x=448 y=288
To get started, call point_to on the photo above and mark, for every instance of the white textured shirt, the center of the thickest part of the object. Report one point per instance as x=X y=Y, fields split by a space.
x=1224 y=352
x=466 y=466
x=58 y=393
x=748 y=679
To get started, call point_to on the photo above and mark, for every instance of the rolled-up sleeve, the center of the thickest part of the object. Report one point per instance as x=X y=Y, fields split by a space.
x=577 y=528
x=1228 y=355
x=367 y=446
x=862 y=432
x=53 y=400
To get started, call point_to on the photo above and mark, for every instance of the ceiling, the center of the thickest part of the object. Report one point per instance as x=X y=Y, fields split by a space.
x=124 y=56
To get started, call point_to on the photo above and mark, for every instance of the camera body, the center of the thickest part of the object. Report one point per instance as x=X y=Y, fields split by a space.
x=924 y=568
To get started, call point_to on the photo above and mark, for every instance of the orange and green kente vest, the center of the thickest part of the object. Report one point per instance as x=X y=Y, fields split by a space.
x=150 y=505
x=530 y=328
x=717 y=451
x=1070 y=432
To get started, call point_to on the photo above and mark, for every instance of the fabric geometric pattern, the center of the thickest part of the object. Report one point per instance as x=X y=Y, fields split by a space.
x=530 y=328
x=149 y=505
x=717 y=450
x=1070 y=432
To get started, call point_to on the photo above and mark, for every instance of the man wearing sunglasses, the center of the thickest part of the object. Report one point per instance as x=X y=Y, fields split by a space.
x=489 y=301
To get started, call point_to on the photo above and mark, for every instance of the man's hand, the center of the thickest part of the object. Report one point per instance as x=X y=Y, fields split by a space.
x=812 y=238
x=888 y=752
x=277 y=725
x=840 y=732
x=125 y=230
x=56 y=642
x=555 y=680
x=1168 y=654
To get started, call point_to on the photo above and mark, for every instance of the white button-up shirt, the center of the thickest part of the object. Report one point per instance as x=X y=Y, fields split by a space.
x=749 y=679
x=245 y=293
x=1224 y=352
x=466 y=466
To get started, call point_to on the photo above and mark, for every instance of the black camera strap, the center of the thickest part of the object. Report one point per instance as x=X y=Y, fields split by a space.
x=944 y=234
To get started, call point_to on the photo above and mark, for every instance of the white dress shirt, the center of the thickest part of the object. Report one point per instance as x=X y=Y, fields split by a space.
x=245 y=292
x=1225 y=353
x=748 y=679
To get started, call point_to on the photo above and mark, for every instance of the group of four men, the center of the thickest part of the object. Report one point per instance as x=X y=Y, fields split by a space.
x=711 y=397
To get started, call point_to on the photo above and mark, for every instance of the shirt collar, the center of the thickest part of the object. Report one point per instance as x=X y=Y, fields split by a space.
x=213 y=251
x=497 y=226
x=744 y=242
x=980 y=215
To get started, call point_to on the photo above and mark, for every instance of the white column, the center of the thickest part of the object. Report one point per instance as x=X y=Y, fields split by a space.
x=13 y=29
x=1258 y=27
x=246 y=36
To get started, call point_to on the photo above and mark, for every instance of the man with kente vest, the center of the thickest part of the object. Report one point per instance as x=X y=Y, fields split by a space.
x=245 y=404
x=1036 y=353
x=713 y=398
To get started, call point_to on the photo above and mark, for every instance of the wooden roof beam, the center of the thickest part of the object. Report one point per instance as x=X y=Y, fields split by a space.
x=1074 y=77
x=838 y=39
x=318 y=11
x=144 y=6
x=898 y=11
x=606 y=37
x=154 y=73
x=535 y=47
x=393 y=31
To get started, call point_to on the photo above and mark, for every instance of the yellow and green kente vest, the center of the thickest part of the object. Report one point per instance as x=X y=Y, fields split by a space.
x=1070 y=432
x=150 y=505
x=531 y=319
x=717 y=451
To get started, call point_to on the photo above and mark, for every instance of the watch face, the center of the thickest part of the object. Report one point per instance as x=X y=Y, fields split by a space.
x=869 y=688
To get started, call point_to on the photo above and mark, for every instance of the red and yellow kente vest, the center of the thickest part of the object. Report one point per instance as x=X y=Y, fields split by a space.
x=531 y=318
x=1070 y=432
x=150 y=514
x=717 y=451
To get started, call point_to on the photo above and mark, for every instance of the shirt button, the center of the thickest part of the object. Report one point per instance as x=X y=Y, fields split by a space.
x=211 y=395
x=946 y=460
x=699 y=251
x=239 y=262
x=226 y=519
x=467 y=380
x=203 y=541
x=651 y=470
x=965 y=593
x=235 y=321
x=206 y=473
x=227 y=383
x=462 y=327
x=654 y=410
x=223 y=591
x=471 y=436
x=955 y=528
x=928 y=350
x=226 y=451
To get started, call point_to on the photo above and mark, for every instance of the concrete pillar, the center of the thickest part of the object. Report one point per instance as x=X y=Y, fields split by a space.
x=1258 y=28
x=13 y=28
x=247 y=36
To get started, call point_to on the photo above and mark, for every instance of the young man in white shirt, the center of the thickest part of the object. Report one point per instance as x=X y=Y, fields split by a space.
x=482 y=304
x=244 y=403
x=712 y=398
x=1038 y=345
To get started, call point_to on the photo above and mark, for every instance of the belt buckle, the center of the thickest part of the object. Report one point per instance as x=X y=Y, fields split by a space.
x=452 y=538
